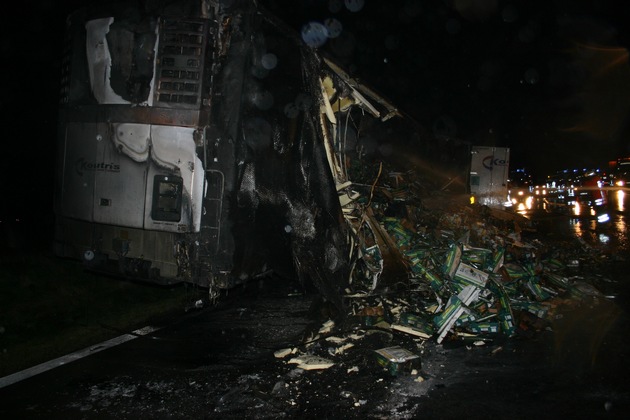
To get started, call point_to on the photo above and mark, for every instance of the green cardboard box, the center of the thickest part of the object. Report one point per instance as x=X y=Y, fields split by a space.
x=397 y=360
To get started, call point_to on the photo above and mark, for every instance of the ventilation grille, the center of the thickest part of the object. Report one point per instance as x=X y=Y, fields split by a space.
x=64 y=94
x=180 y=62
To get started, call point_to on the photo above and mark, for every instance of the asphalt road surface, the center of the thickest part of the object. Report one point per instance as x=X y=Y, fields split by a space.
x=218 y=362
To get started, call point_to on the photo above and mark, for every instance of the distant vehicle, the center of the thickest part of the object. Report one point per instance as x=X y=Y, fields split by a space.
x=520 y=190
x=558 y=191
x=590 y=190
x=489 y=170
x=621 y=172
x=591 y=197
x=577 y=192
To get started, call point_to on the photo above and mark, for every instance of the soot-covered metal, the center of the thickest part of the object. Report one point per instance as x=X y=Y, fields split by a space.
x=203 y=141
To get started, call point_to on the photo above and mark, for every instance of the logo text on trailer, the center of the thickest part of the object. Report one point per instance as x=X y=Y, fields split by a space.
x=82 y=165
x=490 y=162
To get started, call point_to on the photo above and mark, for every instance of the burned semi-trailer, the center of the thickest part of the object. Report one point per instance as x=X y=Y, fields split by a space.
x=203 y=141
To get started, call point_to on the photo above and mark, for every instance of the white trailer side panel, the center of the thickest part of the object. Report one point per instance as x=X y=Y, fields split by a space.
x=489 y=170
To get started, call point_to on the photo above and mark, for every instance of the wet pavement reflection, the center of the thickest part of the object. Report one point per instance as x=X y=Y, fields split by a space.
x=611 y=232
x=219 y=362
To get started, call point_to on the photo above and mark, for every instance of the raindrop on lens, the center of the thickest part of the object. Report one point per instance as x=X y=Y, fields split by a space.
x=334 y=27
x=269 y=61
x=354 y=5
x=314 y=34
x=263 y=100
x=257 y=133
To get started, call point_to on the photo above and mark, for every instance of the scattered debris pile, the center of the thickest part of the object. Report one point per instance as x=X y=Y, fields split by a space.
x=456 y=272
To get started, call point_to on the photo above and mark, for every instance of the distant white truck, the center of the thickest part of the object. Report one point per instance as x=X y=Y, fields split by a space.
x=489 y=171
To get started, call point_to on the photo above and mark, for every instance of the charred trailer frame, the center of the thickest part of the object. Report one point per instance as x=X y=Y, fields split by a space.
x=198 y=142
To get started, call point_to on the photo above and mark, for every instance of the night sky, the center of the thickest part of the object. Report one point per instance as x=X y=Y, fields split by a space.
x=548 y=78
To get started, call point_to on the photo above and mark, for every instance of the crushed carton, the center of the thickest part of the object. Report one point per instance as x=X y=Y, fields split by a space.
x=397 y=360
x=414 y=324
x=311 y=362
x=454 y=310
x=483 y=327
x=451 y=262
x=469 y=275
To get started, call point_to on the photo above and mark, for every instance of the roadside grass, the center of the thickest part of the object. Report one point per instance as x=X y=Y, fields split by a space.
x=50 y=307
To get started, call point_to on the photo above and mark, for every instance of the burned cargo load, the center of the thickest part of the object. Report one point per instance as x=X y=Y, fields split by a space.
x=204 y=142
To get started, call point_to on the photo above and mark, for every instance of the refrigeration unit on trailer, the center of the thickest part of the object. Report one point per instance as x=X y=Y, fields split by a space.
x=489 y=171
x=201 y=141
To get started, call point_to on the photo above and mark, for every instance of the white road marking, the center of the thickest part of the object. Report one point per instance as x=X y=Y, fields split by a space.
x=63 y=360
